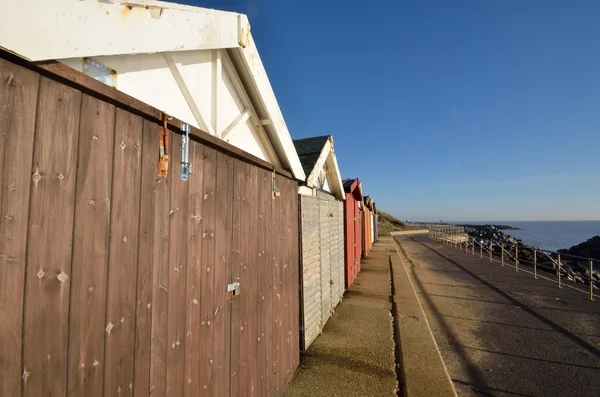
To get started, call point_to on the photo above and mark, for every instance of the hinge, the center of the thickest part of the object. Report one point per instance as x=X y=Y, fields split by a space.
x=186 y=166
x=163 y=158
x=233 y=289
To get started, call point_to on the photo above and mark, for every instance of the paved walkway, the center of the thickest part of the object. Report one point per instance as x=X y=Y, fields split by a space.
x=502 y=333
x=355 y=354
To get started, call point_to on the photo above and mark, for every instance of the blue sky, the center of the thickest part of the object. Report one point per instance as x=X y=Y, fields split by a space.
x=454 y=110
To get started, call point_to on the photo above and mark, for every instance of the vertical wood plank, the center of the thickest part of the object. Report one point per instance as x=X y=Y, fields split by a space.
x=263 y=198
x=236 y=259
x=158 y=243
x=177 y=272
x=194 y=273
x=50 y=240
x=296 y=266
x=122 y=270
x=269 y=294
x=18 y=104
x=221 y=266
x=252 y=285
x=245 y=282
x=289 y=292
x=278 y=290
x=151 y=211
x=229 y=261
x=295 y=282
x=90 y=247
x=208 y=273
x=275 y=290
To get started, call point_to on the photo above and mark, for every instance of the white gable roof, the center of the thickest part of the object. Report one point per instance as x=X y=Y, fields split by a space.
x=61 y=29
x=325 y=170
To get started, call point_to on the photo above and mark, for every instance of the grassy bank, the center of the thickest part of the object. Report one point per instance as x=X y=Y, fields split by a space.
x=389 y=223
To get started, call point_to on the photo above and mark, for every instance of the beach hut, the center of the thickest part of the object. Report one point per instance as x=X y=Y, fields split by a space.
x=322 y=234
x=375 y=222
x=150 y=198
x=367 y=236
x=352 y=229
x=198 y=65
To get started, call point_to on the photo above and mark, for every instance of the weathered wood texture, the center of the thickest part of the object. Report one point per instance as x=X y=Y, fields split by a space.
x=18 y=90
x=322 y=251
x=114 y=279
x=311 y=268
x=52 y=207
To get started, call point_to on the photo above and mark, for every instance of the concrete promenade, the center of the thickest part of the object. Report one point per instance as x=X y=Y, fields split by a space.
x=354 y=356
x=372 y=346
x=501 y=332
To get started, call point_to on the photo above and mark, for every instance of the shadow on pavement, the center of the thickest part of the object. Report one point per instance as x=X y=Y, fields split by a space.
x=585 y=345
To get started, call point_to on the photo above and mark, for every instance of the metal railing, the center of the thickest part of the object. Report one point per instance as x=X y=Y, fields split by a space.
x=559 y=264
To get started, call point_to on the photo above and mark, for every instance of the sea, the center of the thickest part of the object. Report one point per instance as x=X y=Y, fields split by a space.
x=549 y=235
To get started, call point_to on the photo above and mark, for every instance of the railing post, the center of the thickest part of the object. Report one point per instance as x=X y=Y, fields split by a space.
x=516 y=258
x=502 y=247
x=473 y=248
x=559 y=283
x=535 y=264
x=591 y=280
x=491 y=255
x=480 y=249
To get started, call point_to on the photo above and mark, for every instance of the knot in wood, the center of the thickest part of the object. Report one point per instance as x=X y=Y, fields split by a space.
x=36 y=177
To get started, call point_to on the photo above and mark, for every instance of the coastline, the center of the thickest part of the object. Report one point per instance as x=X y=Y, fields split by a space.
x=574 y=262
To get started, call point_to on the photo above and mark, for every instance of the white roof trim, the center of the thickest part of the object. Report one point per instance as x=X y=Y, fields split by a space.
x=327 y=159
x=59 y=29
x=87 y=28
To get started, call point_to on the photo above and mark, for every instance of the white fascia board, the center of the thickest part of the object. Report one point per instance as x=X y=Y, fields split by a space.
x=306 y=191
x=336 y=176
x=327 y=159
x=313 y=177
x=260 y=82
x=59 y=29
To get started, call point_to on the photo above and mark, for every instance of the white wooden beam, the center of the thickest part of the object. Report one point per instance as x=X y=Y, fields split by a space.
x=336 y=174
x=306 y=191
x=202 y=124
x=243 y=95
x=216 y=78
x=266 y=122
x=88 y=28
x=241 y=118
x=259 y=82
x=316 y=171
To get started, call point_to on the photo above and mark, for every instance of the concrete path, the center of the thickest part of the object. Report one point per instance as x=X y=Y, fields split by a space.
x=355 y=354
x=501 y=332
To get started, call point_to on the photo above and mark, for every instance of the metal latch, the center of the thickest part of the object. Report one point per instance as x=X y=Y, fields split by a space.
x=274 y=189
x=186 y=166
x=233 y=289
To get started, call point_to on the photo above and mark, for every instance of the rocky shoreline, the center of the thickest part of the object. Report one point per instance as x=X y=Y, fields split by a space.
x=573 y=269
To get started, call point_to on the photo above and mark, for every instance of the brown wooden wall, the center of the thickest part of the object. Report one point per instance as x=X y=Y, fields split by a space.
x=112 y=279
